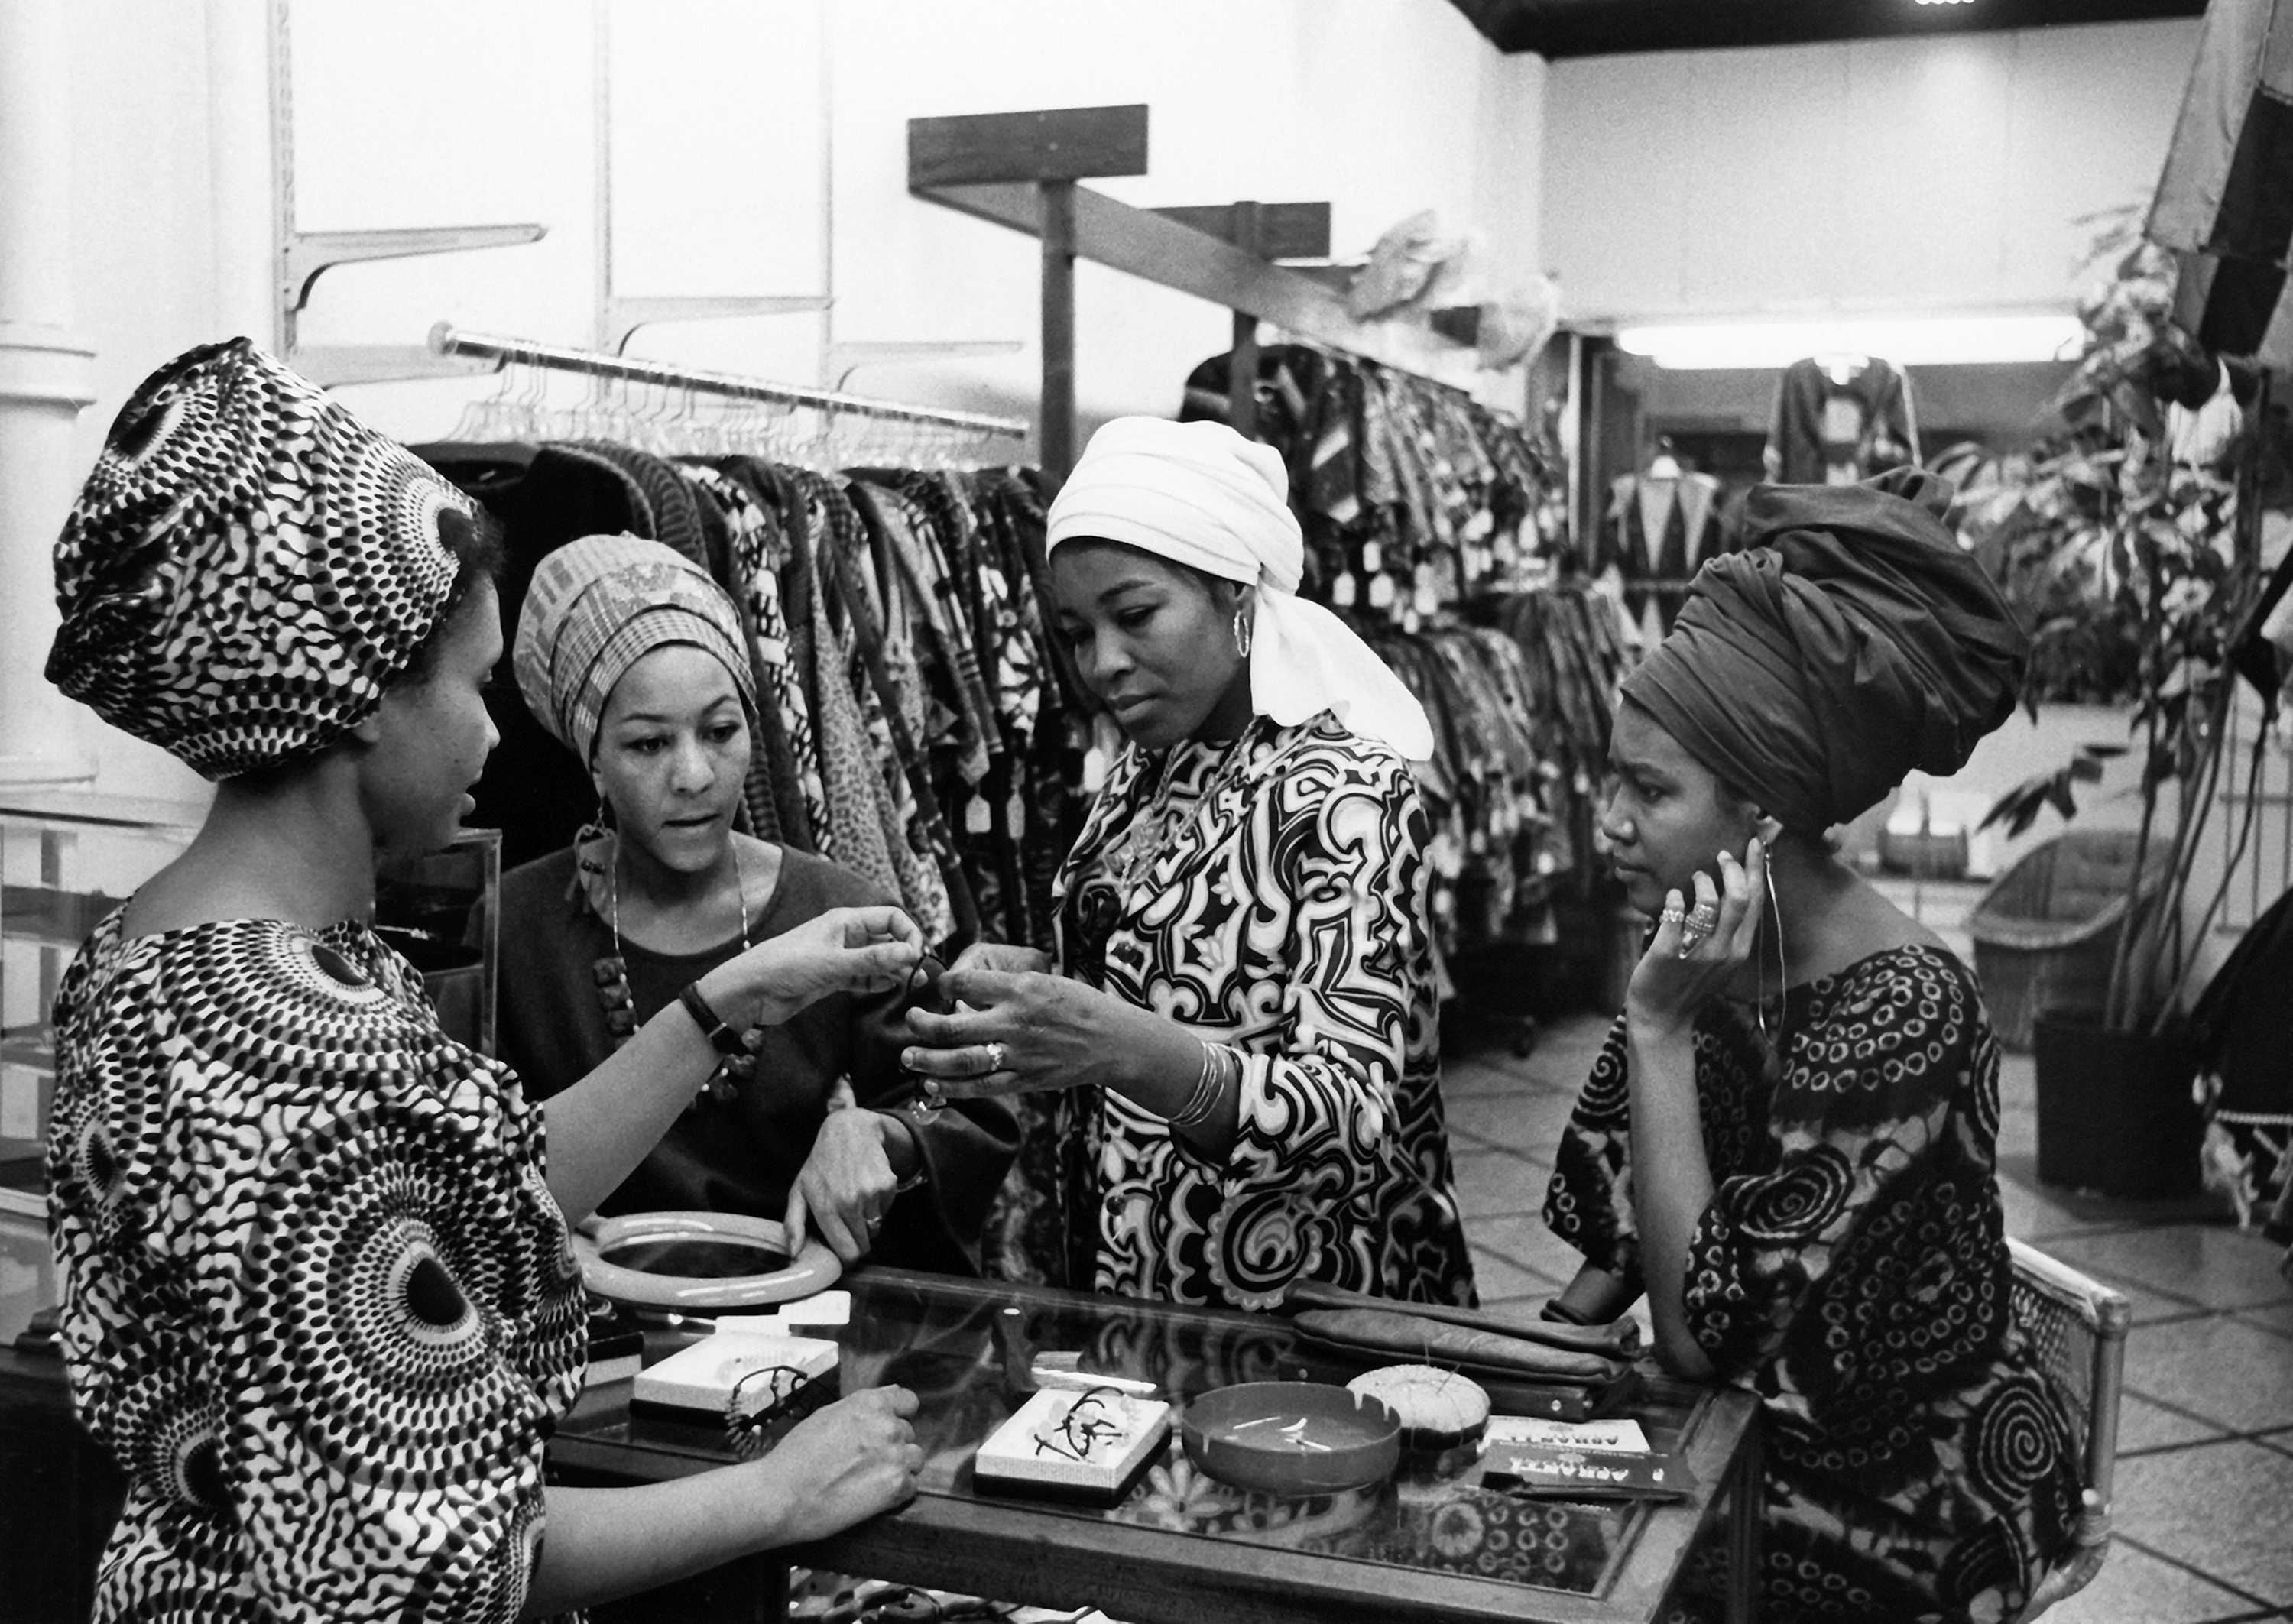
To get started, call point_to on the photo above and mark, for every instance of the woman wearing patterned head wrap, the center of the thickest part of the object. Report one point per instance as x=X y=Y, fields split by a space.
x=633 y=659
x=319 y=1299
x=1243 y=1035
x=1789 y=1142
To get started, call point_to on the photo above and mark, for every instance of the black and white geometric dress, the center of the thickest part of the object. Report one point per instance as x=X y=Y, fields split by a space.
x=319 y=1303
x=1278 y=906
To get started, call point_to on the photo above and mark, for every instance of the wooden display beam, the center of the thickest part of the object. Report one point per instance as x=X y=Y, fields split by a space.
x=1021 y=169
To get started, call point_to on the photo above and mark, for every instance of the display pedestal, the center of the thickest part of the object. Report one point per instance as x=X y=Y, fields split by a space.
x=2115 y=1111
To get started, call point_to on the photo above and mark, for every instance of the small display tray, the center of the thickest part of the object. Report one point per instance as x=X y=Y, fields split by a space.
x=1090 y=1446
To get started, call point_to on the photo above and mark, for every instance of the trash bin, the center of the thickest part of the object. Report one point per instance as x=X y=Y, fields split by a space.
x=2046 y=931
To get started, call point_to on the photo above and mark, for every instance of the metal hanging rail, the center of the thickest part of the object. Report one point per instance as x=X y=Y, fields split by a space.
x=446 y=339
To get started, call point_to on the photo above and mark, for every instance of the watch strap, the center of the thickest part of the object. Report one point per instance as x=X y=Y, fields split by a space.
x=713 y=1026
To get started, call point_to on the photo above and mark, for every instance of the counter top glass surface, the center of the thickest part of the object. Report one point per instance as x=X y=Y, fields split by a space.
x=966 y=1349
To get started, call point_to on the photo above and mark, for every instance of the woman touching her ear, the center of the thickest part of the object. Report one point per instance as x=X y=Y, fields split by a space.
x=1789 y=1141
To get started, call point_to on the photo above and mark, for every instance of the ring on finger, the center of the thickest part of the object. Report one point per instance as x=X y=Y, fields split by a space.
x=994 y=1057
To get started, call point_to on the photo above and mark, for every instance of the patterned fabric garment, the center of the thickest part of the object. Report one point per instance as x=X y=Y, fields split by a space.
x=248 y=566
x=773 y=789
x=318 y=1301
x=1851 y=1270
x=1284 y=915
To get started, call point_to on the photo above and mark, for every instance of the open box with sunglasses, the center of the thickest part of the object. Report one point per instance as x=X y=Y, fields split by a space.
x=1089 y=1445
x=747 y=1380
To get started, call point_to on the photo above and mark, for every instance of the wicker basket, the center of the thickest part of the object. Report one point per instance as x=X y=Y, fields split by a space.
x=2046 y=930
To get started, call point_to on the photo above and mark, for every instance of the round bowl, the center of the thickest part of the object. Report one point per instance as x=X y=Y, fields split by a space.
x=1292 y=1437
x=698 y=1261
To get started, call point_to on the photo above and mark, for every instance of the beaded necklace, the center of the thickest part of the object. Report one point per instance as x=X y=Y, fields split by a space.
x=612 y=974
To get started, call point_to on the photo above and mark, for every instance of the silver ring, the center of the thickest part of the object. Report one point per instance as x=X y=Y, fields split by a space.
x=994 y=1057
x=1671 y=916
x=1703 y=918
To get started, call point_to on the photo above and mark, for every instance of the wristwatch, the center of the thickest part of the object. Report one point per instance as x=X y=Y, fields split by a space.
x=713 y=1026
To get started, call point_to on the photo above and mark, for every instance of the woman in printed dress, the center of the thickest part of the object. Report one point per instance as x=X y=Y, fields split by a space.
x=1241 y=1031
x=1788 y=1142
x=319 y=1302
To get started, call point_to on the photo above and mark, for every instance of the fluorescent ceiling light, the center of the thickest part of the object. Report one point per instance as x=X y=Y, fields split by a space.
x=1929 y=341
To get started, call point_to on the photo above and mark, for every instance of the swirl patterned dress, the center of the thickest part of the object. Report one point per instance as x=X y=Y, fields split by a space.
x=1276 y=903
x=1851 y=1270
x=319 y=1303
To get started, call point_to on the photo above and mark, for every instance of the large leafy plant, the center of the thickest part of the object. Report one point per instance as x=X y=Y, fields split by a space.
x=2137 y=550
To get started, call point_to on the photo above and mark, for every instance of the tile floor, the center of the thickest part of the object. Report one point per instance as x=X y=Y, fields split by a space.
x=2205 y=1466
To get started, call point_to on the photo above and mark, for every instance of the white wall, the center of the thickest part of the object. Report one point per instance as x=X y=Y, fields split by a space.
x=1947 y=172
x=758 y=147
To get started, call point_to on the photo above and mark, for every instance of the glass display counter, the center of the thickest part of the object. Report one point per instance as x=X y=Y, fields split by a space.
x=69 y=857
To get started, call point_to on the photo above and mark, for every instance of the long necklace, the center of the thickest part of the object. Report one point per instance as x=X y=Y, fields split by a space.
x=1139 y=857
x=611 y=973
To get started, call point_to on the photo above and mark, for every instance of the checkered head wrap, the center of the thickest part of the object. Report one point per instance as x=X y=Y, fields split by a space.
x=248 y=567
x=596 y=607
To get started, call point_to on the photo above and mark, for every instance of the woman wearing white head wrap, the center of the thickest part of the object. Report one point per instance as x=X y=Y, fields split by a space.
x=1246 y=996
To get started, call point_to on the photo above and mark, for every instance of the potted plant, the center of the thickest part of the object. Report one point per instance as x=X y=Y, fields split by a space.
x=2140 y=553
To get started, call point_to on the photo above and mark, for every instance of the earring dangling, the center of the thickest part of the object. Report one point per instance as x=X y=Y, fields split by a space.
x=1242 y=631
x=1783 y=969
x=594 y=850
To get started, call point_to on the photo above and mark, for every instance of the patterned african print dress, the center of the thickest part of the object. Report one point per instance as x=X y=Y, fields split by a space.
x=1277 y=904
x=1851 y=1270
x=319 y=1303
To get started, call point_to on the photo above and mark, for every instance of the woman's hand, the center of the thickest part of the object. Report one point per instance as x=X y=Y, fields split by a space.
x=845 y=949
x=847 y=1461
x=1023 y=1033
x=1668 y=985
x=845 y=1186
x=1004 y=956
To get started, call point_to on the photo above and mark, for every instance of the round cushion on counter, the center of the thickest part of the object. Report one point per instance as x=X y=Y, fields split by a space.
x=1438 y=1408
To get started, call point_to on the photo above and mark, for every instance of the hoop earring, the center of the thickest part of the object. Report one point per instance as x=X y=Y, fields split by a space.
x=1241 y=632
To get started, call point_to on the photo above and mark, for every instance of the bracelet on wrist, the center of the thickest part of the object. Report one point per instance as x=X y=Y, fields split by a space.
x=914 y=1120
x=722 y=1038
x=1210 y=1087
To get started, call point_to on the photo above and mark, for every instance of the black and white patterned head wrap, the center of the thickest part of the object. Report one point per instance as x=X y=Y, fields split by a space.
x=249 y=568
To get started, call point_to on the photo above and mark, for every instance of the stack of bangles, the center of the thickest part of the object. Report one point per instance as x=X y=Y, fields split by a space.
x=1218 y=1063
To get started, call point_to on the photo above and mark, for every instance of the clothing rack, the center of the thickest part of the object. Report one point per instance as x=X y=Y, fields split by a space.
x=1020 y=170
x=446 y=339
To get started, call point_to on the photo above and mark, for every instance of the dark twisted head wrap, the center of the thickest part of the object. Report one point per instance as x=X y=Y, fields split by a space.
x=248 y=567
x=1851 y=641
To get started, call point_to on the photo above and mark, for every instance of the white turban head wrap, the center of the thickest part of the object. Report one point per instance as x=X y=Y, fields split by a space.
x=1199 y=494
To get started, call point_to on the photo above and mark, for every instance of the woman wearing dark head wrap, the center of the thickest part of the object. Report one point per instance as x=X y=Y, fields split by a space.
x=1789 y=1142
x=319 y=1302
x=631 y=656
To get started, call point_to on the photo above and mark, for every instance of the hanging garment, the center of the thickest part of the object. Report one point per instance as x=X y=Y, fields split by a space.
x=1839 y=420
x=773 y=795
x=1658 y=531
x=543 y=497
